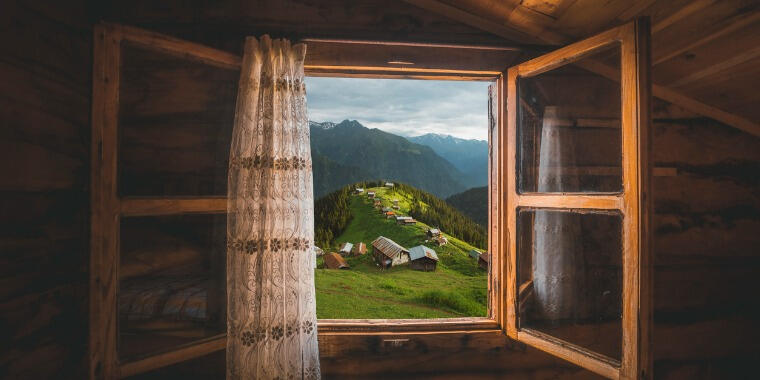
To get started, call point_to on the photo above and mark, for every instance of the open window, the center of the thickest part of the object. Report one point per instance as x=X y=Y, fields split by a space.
x=576 y=202
x=592 y=96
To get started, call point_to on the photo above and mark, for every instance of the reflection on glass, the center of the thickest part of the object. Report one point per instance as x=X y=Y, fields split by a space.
x=172 y=282
x=570 y=277
x=569 y=129
x=175 y=124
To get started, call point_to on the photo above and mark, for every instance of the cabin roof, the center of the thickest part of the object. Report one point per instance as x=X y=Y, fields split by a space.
x=421 y=251
x=346 y=247
x=335 y=261
x=388 y=247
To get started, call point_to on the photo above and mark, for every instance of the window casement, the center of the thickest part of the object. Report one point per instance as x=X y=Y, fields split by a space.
x=116 y=207
x=575 y=185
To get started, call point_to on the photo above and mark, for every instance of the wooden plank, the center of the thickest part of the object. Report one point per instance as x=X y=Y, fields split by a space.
x=745 y=56
x=475 y=21
x=569 y=201
x=350 y=53
x=134 y=206
x=102 y=356
x=493 y=197
x=689 y=9
x=639 y=205
x=385 y=326
x=737 y=23
x=398 y=75
x=681 y=100
x=509 y=219
x=568 y=53
x=174 y=356
x=175 y=46
x=398 y=72
x=595 y=363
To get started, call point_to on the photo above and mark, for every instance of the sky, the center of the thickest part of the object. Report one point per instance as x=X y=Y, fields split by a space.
x=403 y=107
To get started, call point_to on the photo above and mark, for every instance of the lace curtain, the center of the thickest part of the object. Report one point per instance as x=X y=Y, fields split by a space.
x=271 y=322
x=557 y=255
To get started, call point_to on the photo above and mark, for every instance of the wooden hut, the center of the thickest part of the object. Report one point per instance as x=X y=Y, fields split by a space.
x=433 y=232
x=359 y=249
x=440 y=240
x=117 y=115
x=371 y=194
x=388 y=253
x=484 y=260
x=335 y=261
x=422 y=258
x=474 y=253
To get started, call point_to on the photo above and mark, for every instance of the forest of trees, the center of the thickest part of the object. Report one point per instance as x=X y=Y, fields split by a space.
x=444 y=216
x=332 y=213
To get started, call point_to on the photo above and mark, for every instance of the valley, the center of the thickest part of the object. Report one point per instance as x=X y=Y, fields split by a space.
x=456 y=288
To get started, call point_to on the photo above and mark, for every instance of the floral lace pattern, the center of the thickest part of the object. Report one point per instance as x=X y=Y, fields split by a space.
x=271 y=322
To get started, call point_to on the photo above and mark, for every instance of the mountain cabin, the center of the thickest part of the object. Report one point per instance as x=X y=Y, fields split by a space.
x=359 y=249
x=623 y=158
x=422 y=258
x=388 y=253
x=335 y=261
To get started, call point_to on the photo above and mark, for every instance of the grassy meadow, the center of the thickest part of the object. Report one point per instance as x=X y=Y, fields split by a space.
x=457 y=288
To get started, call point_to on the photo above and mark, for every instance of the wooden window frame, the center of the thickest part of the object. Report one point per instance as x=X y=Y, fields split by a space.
x=107 y=207
x=634 y=202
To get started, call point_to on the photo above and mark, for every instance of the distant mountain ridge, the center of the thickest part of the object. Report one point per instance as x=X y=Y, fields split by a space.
x=348 y=152
x=469 y=156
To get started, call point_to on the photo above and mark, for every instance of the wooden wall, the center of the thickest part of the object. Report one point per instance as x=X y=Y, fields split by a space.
x=44 y=201
x=707 y=221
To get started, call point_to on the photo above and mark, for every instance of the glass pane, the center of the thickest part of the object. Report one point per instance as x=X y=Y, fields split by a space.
x=175 y=124
x=569 y=129
x=172 y=282
x=570 y=277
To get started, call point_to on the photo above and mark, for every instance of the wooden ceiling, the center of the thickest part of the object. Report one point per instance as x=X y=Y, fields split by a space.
x=706 y=53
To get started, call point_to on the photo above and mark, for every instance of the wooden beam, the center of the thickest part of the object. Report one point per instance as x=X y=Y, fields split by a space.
x=659 y=91
x=564 y=201
x=693 y=7
x=738 y=59
x=587 y=359
x=736 y=24
x=172 y=206
x=681 y=100
x=191 y=351
x=468 y=18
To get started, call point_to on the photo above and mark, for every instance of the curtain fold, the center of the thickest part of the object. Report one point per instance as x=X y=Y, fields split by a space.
x=271 y=309
x=558 y=254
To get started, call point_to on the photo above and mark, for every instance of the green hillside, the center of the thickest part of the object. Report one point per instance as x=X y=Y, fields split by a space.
x=456 y=288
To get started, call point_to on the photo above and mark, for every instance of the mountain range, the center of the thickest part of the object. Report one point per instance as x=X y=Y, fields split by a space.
x=469 y=156
x=348 y=152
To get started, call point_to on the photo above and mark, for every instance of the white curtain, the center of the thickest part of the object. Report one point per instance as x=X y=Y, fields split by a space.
x=271 y=310
x=557 y=254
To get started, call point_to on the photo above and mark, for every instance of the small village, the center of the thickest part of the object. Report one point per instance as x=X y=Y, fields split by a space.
x=387 y=253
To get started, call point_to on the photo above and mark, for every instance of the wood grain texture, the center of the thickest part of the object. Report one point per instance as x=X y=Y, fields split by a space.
x=104 y=207
x=135 y=206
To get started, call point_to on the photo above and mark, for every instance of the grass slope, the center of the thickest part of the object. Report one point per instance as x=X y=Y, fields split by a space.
x=456 y=288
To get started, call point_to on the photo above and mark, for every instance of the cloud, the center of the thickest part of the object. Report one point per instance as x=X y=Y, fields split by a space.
x=403 y=107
